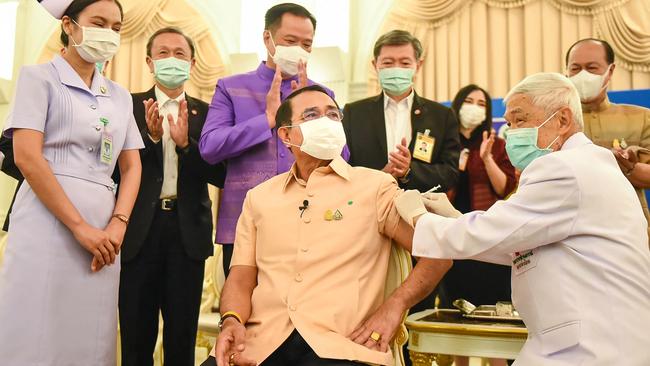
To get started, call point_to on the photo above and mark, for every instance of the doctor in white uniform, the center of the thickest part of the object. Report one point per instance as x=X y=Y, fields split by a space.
x=574 y=234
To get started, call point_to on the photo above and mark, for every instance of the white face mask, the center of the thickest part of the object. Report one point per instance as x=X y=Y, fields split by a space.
x=98 y=44
x=471 y=115
x=322 y=138
x=589 y=85
x=287 y=57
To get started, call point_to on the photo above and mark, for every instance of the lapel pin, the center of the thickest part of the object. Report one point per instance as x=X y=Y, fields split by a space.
x=417 y=111
x=194 y=112
x=338 y=215
x=329 y=216
x=102 y=89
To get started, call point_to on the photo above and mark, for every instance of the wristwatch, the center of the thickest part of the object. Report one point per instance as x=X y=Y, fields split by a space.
x=405 y=178
x=184 y=150
x=123 y=218
x=229 y=314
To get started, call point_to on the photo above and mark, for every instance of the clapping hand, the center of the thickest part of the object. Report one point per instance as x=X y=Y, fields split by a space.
x=399 y=160
x=153 y=119
x=626 y=159
x=273 y=100
x=485 y=151
x=302 y=77
x=178 y=129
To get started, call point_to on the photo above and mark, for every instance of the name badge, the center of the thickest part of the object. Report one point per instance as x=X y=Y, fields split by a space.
x=106 y=156
x=524 y=261
x=423 y=149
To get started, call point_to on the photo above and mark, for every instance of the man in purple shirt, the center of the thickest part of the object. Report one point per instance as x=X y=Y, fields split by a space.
x=240 y=127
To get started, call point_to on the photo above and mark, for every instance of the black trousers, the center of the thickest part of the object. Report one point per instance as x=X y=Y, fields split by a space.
x=295 y=352
x=160 y=279
x=226 y=253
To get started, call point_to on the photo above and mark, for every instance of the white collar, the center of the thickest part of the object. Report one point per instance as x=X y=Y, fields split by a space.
x=162 y=98
x=408 y=100
x=575 y=140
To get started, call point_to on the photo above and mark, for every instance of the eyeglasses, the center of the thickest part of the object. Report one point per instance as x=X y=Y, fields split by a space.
x=333 y=114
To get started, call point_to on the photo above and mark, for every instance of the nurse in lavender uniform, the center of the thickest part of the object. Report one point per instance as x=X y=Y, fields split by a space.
x=70 y=126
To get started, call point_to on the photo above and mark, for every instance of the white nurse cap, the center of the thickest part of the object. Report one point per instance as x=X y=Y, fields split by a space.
x=55 y=7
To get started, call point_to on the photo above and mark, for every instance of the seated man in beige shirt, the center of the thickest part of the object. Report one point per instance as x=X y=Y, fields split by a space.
x=307 y=277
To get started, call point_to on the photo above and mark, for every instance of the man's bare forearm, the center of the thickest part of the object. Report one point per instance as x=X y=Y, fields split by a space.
x=237 y=291
x=425 y=275
x=421 y=281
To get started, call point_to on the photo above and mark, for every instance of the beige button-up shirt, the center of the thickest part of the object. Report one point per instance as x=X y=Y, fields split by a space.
x=622 y=122
x=318 y=274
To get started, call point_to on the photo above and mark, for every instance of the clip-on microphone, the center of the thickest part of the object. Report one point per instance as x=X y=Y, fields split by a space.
x=304 y=206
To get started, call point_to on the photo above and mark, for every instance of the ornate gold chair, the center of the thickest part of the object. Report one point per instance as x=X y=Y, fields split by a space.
x=399 y=267
x=212 y=285
x=3 y=243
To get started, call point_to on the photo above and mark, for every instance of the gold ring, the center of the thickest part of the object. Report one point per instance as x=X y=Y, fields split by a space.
x=231 y=360
x=375 y=336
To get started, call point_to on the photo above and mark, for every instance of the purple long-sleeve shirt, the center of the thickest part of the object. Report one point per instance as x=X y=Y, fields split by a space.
x=236 y=130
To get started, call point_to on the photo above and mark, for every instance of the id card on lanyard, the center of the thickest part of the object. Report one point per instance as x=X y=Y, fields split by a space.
x=423 y=149
x=106 y=156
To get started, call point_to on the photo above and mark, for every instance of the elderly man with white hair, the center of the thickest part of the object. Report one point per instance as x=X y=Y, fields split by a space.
x=573 y=233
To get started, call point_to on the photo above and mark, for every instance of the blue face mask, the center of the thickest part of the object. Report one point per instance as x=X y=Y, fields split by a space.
x=396 y=80
x=521 y=145
x=171 y=72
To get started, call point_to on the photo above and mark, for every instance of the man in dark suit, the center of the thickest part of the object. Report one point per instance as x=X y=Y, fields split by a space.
x=170 y=231
x=412 y=138
x=399 y=132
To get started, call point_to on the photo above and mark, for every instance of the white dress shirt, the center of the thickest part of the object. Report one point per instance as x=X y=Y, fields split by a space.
x=575 y=236
x=170 y=158
x=398 y=121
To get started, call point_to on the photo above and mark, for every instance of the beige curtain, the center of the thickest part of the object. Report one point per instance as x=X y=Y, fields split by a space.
x=496 y=43
x=143 y=18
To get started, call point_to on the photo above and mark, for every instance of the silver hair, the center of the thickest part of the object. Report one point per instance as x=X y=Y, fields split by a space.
x=550 y=91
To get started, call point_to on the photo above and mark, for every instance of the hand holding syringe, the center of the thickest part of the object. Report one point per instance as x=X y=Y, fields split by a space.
x=438 y=203
x=432 y=189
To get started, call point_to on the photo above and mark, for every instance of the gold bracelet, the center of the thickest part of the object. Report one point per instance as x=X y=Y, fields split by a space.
x=233 y=314
x=404 y=179
x=123 y=218
x=229 y=314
